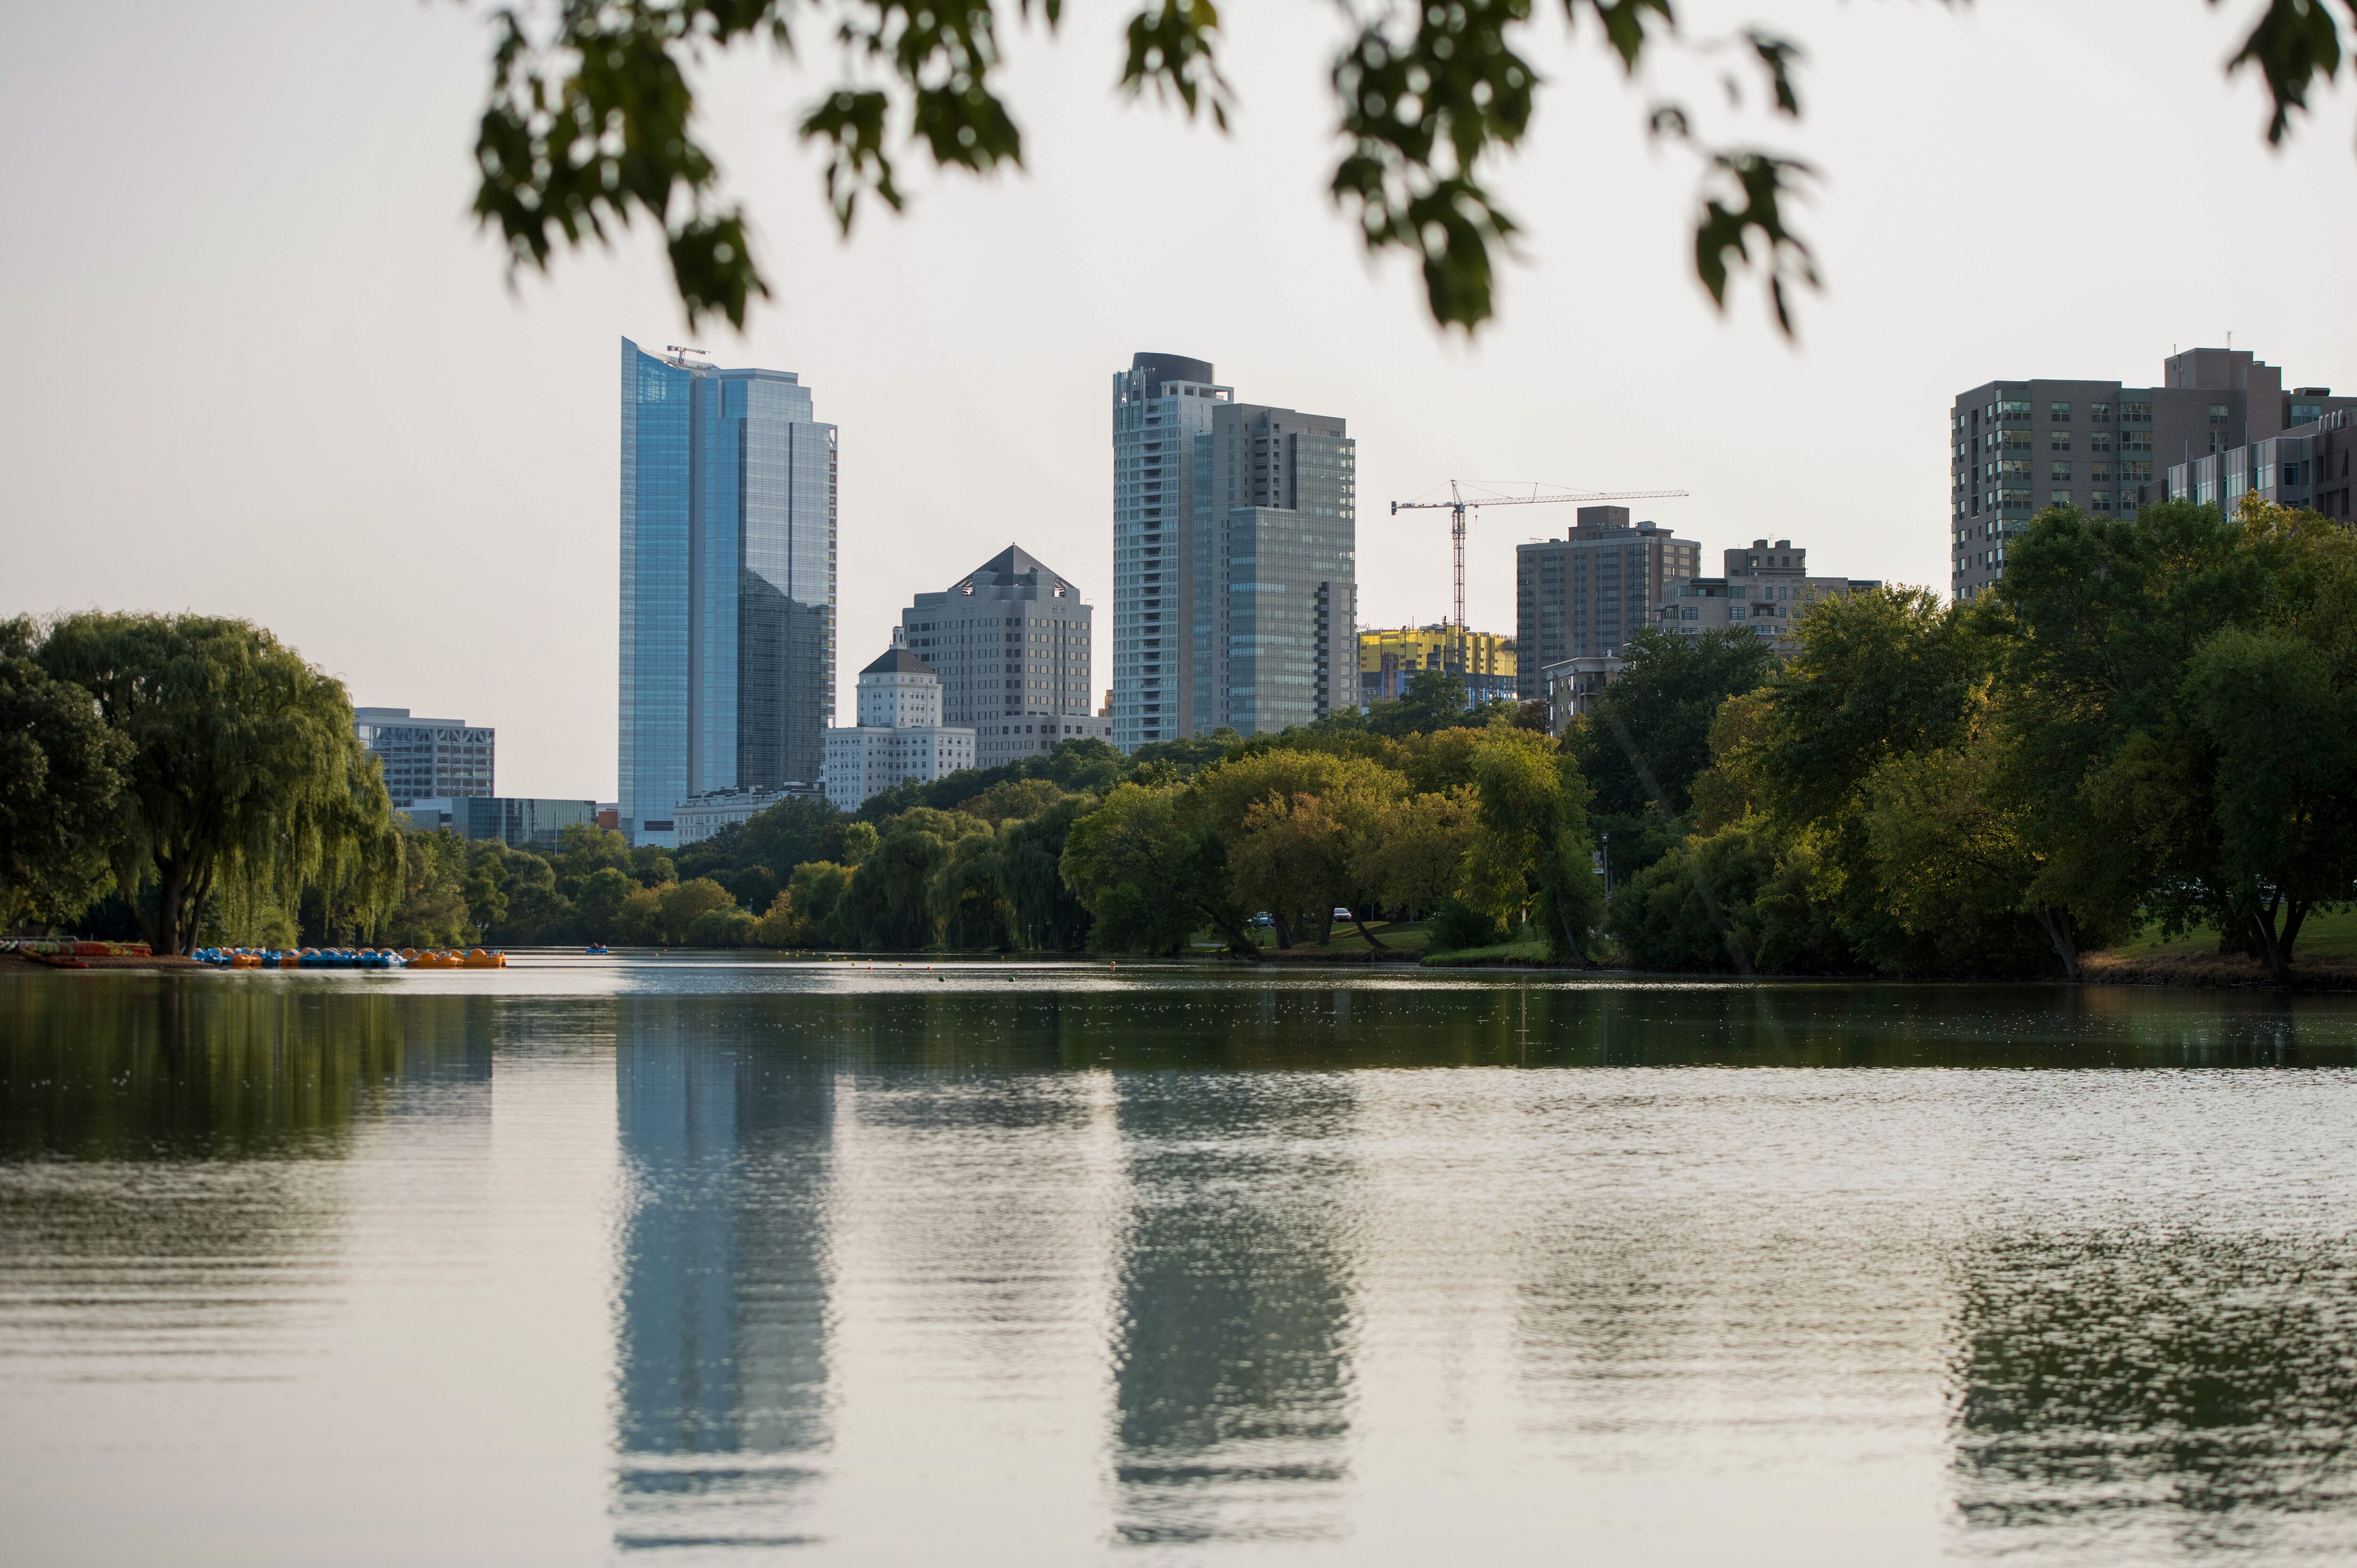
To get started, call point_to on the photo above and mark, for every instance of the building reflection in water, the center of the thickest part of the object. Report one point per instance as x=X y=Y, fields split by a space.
x=2142 y=1394
x=1233 y=1352
x=721 y=1412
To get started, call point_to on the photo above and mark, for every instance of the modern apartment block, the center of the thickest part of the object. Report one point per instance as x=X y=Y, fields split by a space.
x=728 y=584
x=1235 y=558
x=1390 y=658
x=2017 y=447
x=899 y=736
x=1582 y=595
x=428 y=758
x=2307 y=466
x=1012 y=642
x=1766 y=586
x=518 y=821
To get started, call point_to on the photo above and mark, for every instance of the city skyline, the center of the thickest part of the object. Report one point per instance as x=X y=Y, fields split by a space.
x=467 y=455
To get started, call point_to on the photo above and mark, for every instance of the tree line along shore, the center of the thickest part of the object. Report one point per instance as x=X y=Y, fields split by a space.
x=2136 y=758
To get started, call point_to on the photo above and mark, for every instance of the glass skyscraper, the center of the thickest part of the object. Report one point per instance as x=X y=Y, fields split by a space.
x=727 y=615
x=1234 y=558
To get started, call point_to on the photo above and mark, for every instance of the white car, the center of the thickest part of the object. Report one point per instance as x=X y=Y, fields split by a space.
x=1341 y=914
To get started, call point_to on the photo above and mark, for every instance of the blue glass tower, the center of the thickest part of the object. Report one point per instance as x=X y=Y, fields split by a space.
x=727 y=616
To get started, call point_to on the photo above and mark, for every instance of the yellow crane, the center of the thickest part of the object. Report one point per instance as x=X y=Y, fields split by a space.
x=1459 y=506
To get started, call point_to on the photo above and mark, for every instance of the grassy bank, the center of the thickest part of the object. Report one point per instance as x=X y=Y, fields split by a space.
x=2325 y=957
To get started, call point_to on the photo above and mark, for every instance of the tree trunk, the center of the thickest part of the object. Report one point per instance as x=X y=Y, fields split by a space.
x=1283 y=931
x=2056 y=923
x=171 y=890
x=1326 y=926
x=1363 y=932
x=2263 y=923
x=1572 y=941
x=2295 y=916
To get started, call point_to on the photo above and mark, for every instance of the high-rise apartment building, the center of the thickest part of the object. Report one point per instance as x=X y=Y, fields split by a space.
x=1766 y=588
x=426 y=759
x=729 y=588
x=2017 y=447
x=1581 y=597
x=1012 y=642
x=1235 y=558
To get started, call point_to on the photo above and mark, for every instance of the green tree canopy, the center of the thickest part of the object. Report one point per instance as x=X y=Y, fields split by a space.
x=1149 y=873
x=243 y=763
x=1649 y=733
x=61 y=788
x=2183 y=682
x=1531 y=848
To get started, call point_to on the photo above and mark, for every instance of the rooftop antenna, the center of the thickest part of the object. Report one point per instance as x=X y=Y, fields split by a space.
x=678 y=352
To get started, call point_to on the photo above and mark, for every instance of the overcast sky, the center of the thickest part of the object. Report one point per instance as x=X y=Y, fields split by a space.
x=267 y=367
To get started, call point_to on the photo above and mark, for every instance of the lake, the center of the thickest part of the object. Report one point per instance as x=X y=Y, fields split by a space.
x=696 y=1260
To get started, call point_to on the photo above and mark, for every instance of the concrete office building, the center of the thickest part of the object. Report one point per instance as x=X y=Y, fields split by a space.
x=899 y=736
x=2017 y=447
x=1235 y=558
x=1390 y=658
x=1766 y=588
x=518 y=822
x=727 y=585
x=1012 y=642
x=428 y=758
x=1581 y=597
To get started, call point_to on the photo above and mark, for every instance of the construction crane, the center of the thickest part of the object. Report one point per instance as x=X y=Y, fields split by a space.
x=1459 y=506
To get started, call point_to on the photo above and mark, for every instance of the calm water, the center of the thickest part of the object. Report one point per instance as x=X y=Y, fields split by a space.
x=685 y=1263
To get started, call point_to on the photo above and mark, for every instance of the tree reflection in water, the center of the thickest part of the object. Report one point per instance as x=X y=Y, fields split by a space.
x=2143 y=1387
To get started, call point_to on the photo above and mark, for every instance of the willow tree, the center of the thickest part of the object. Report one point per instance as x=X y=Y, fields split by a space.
x=243 y=768
x=61 y=783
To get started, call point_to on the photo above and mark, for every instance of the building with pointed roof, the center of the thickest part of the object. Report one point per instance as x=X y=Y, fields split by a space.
x=1011 y=641
x=900 y=737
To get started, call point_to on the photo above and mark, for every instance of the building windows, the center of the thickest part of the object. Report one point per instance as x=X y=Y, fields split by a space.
x=2099 y=441
x=2058 y=413
x=2099 y=501
x=2136 y=440
x=2136 y=473
x=2099 y=413
x=2015 y=469
x=2057 y=441
x=2100 y=472
x=2135 y=414
x=2060 y=498
x=2015 y=441
x=2059 y=472
x=2221 y=413
x=2008 y=409
x=2307 y=413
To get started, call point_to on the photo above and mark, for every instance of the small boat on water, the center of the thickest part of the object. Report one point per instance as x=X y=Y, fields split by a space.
x=595 y=948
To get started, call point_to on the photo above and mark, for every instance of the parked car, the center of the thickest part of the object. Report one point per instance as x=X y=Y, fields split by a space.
x=1341 y=914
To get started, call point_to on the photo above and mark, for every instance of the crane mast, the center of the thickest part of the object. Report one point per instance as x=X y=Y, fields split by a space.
x=1459 y=506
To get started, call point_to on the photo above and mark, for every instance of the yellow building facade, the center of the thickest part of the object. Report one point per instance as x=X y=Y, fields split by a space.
x=1390 y=658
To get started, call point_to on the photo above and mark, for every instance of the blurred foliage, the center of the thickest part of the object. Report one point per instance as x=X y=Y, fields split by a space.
x=589 y=123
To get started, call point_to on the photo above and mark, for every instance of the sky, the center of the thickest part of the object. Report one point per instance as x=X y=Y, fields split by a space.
x=268 y=368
